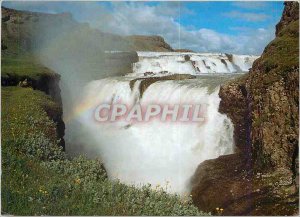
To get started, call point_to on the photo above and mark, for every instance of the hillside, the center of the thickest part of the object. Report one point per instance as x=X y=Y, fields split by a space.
x=19 y=28
x=149 y=43
x=37 y=38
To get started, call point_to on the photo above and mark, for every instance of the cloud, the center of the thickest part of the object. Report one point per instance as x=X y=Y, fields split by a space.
x=251 y=41
x=150 y=20
x=129 y=18
x=252 y=17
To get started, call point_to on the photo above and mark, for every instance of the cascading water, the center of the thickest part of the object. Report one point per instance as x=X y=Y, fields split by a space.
x=162 y=63
x=155 y=152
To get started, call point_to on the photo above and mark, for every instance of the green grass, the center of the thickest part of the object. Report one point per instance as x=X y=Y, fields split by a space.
x=280 y=57
x=22 y=67
x=283 y=52
x=38 y=178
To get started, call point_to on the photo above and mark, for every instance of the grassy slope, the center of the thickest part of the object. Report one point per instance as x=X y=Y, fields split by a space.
x=38 y=179
x=280 y=57
x=23 y=67
x=282 y=54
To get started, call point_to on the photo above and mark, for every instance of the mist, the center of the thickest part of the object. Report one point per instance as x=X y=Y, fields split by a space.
x=78 y=54
x=163 y=154
x=160 y=154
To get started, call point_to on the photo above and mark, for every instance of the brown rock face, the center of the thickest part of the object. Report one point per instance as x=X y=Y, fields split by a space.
x=228 y=183
x=146 y=82
x=234 y=104
x=275 y=121
x=273 y=93
x=262 y=177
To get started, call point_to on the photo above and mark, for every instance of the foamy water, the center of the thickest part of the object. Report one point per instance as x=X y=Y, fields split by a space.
x=159 y=153
x=163 y=63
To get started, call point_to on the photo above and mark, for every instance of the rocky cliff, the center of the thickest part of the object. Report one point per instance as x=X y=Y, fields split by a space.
x=262 y=177
x=234 y=104
x=273 y=94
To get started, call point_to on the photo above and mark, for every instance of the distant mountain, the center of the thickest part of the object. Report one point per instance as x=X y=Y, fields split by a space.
x=24 y=31
x=149 y=43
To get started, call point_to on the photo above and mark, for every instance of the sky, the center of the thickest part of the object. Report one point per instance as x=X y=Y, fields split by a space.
x=232 y=27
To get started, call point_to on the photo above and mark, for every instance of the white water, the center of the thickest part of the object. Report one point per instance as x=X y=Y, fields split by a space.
x=165 y=154
x=159 y=153
x=162 y=63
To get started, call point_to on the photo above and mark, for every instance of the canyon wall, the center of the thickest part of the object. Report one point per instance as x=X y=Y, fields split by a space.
x=273 y=92
x=261 y=178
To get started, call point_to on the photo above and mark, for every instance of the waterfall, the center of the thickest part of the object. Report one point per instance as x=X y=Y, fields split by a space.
x=160 y=153
x=162 y=63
